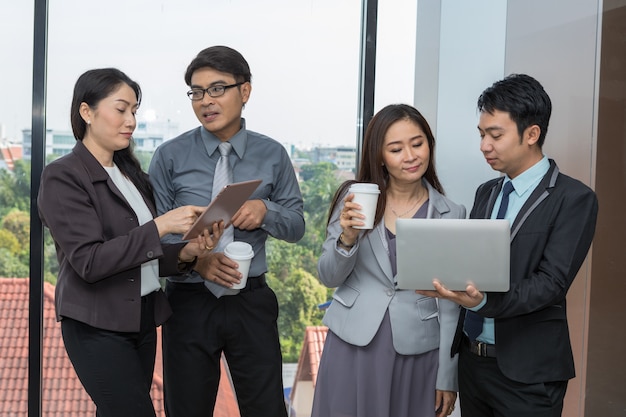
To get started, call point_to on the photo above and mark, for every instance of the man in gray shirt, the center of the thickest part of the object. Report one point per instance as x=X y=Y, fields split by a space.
x=209 y=317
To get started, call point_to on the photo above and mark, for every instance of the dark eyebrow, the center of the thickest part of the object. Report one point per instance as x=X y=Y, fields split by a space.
x=490 y=128
x=213 y=84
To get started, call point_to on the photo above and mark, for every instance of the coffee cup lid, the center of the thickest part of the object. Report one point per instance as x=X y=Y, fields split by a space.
x=241 y=250
x=362 y=187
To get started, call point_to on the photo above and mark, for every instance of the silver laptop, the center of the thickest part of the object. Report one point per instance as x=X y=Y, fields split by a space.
x=455 y=251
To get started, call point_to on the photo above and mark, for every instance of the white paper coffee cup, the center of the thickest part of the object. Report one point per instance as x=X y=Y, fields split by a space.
x=367 y=196
x=242 y=253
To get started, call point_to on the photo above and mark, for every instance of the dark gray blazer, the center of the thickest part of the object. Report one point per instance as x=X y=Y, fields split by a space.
x=100 y=245
x=550 y=238
x=366 y=290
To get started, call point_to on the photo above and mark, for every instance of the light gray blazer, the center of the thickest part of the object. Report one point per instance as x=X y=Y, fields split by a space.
x=365 y=291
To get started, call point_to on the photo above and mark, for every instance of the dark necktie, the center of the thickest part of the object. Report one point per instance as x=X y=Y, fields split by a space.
x=473 y=324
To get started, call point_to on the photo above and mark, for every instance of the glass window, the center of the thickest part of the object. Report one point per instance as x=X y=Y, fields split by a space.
x=304 y=58
x=16 y=45
x=395 y=53
x=16 y=81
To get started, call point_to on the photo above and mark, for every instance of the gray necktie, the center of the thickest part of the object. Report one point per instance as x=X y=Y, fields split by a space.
x=473 y=324
x=222 y=177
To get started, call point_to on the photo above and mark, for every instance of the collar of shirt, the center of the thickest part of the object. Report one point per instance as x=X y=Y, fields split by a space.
x=524 y=185
x=211 y=142
x=529 y=179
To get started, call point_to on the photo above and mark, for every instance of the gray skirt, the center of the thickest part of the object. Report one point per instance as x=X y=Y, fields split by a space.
x=374 y=380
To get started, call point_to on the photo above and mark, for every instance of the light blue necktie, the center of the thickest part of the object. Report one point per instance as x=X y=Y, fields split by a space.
x=473 y=324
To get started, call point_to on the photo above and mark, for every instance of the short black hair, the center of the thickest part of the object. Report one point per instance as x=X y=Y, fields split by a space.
x=524 y=98
x=223 y=59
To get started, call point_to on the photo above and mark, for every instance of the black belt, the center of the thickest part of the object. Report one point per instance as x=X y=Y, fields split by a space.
x=481 y=348
x=149 y=296
x=254 y=283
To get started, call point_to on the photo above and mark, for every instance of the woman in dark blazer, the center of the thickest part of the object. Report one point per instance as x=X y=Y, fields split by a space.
x=387 y=352
x=99 y=207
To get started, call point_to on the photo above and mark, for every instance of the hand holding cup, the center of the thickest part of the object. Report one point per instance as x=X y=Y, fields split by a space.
x=242 y=253
x=366 y=196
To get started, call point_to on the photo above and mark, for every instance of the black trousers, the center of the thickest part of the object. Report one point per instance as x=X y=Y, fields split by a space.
x=115 y=368
x=485 y=392
x=242 y=327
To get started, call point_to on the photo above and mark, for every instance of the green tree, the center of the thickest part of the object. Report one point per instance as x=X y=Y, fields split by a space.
x=10 y=265
x=283 y=258
x=293 y=268
x=317 y=191
x=14 y=220
x=299 y=295
x=9 y=242
x=18 y=223
x=15 y=236
x=15 y=188
x=15 y=226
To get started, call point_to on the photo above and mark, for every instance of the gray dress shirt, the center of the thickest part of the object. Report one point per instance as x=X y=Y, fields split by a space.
x=182 y=170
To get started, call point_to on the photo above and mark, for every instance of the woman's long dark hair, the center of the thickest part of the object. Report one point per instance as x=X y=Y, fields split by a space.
x=372 y=169
x=92 y=87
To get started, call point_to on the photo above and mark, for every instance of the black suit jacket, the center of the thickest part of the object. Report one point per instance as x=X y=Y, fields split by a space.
x=550 y=238
x=100 y=244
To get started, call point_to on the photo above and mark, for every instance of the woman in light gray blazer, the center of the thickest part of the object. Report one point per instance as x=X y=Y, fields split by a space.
x=387 y=352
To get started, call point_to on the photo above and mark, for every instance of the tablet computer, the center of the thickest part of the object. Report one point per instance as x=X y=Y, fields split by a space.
x=455 y=251
x=223 y=207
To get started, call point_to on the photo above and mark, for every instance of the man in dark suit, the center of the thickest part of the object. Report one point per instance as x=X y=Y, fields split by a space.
x=515 y=354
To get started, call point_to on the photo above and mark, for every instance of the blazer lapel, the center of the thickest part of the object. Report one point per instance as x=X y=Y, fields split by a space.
x=540 y=193
x=437 y=205
x=98 y=174
x=378 y=241
x=493 y=195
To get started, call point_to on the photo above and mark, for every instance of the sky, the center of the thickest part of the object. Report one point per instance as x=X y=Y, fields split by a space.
x=303 y=54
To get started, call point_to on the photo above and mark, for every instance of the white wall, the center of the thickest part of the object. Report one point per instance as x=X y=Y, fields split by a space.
x=450 y=76
x=462 y=48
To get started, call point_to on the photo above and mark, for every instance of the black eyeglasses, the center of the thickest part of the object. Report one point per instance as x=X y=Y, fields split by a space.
x=196 y=94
